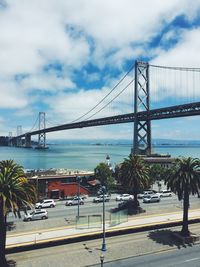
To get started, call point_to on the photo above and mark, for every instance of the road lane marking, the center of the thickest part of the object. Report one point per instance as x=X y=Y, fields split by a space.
x=194 y=259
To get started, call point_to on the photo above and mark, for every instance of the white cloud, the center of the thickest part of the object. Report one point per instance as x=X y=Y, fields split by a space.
x=178 y=84
x=46 y=82
x=185 y=53
x=11 y=95
x=71 y=106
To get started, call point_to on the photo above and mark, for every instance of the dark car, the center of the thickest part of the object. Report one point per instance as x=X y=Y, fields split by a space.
x=127 y=204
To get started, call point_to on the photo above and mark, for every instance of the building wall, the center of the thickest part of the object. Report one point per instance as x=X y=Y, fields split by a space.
x=65 y=190
x=161 y=161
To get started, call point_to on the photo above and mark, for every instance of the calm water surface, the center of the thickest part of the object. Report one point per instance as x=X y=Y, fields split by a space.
x=82 y=157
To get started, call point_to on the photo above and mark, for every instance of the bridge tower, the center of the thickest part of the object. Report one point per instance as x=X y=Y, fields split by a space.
x=42 y=135
x=19 y=132
x=142 y=128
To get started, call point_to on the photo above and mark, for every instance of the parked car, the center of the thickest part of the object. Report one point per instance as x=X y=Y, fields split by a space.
x=74 y=201
x=100 y=198
x=146 y=193
x=46 y=203
x=124 y=197
x=36 y=215
x=84 y=196
x=165 y=193
x=126 y=204
x=151 y=199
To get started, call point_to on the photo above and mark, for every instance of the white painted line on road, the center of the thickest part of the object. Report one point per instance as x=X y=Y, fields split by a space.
x=194 y=259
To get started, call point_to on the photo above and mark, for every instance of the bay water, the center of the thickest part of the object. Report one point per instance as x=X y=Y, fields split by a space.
x=83 y=156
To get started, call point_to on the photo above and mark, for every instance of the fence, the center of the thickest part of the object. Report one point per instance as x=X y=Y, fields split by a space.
x=95 y=221
x=89 y=221
x=118 y=217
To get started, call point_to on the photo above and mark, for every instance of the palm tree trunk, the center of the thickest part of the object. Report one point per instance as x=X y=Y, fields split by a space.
x=135 y=200
x=185 y=230
x=3 y=261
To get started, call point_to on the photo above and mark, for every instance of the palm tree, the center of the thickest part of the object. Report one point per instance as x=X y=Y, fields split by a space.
x=15 y=192
x=134 y=175
x=183 y=181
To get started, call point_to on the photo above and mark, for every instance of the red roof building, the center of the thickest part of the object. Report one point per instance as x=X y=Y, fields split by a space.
x=63 y=186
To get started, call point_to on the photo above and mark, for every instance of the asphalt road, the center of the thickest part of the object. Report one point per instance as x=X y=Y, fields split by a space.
x=91 y=208
x=185 y=258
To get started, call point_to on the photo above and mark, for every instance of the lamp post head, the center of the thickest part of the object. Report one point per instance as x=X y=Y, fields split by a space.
x=103 y=188
x=78 y=179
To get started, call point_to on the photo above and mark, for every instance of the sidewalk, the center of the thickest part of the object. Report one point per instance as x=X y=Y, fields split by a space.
x=64 y=233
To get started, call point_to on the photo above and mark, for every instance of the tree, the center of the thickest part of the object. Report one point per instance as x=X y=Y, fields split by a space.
x=183 y=181
x=103 y=173
x=134 y=175
x=157 y=173
x=15 y=193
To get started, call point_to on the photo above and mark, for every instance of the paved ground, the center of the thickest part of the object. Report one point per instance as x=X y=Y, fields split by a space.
x=88 y=253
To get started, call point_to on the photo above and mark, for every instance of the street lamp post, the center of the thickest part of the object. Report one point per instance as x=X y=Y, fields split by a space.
x=37 y=188
x=103 y=248
x=46 y=193
x=78 y=179
x=102 y=259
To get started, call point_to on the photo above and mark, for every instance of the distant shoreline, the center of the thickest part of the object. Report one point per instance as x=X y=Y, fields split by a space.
x=125 y=144
x=176 y=145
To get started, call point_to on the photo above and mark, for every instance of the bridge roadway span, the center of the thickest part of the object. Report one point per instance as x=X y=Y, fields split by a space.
x=138 y=223
x=185 y=110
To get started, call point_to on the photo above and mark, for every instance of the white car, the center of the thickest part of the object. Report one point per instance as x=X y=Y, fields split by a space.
x=165 y=193
x=46 y=203
x=146 y=193
x=36 y=215
x=74 y=201
x=151 y=199
x=124 y=197
x=99 y=199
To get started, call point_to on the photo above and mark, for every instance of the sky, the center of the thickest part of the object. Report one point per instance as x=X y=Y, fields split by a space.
x=62 y=57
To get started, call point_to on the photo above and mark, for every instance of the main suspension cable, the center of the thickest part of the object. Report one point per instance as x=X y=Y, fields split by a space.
x=104 y=96
x=111 y=100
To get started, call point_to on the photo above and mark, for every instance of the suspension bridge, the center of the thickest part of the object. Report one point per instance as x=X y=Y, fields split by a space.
x=138 y=99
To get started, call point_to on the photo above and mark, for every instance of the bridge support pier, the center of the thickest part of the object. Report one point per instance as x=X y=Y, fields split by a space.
x=19 y=142
x=142 y=128
x=27 y=141
x=10 y=140
x=19 y=139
